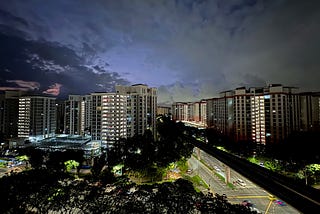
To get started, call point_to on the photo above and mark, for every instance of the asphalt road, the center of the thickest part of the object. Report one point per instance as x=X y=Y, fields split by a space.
x=3 y=171
x=252 y=192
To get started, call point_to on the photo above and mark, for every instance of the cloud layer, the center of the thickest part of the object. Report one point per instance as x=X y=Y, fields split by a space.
x=190 y=49
x=49 y=68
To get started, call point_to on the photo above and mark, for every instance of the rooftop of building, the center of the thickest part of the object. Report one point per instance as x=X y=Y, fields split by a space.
x=65 y=142
x=140 y=84
x=37 y=96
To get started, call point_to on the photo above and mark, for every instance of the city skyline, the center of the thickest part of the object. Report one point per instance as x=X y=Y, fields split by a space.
x=105 y=116
x=189 y=50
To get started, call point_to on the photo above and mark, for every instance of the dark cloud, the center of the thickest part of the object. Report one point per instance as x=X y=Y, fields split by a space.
x=49 y=68
x=12 y=20
x=190 y=49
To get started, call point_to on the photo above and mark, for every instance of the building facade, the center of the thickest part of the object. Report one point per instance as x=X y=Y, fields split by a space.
x=163 y=110
x=241 y=115
x=203 y=112
x=9 y=106
x=180 y=111
x=310 y=111
x=37 y=117
x=141 y=108
x=258 y=114
x=78 y=111
x=220 y=113
x=86 y=114
x=73 y=115
x=191 y=113
x=283 y=116
x=109 y=118
x=60 y=116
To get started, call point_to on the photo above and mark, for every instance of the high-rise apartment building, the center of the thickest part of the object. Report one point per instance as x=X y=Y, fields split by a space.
x=109 y=117
x=228 y=101
x=78 y=110
x=191 y=112
x=258 y=114
x=60 y=116
x=180 y=111
x=310 y=111
x=213 y=114
x=241 y=114
x=86 y=114
x=9 y=105
x=163 y=110
x=73 y=115
x=282 y=112
x=220 y=113
x=203 y=112
x=37 y=116
x=141 y=108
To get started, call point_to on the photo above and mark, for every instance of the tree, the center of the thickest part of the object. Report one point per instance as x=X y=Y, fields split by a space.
x=215 y=137
x=98 y=164
x=173 y=143
x=311 y=171
x=307 y=153
x=42 y=191
x=27 y=190
x=35 y=156
x=147 y=158
x=57 y=159
x=272 y=165
x=71 y=164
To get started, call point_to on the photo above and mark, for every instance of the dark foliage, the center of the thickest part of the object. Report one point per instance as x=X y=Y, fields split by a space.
x=38 y=191
x=36 y=156
x=24 y=190
x=53 y=160
x=144 y=153
x=300 y=146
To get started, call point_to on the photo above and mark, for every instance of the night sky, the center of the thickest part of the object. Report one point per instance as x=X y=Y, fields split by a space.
x=188 y=49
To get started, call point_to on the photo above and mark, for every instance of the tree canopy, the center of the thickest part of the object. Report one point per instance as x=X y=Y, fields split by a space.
x=40 y=191
x=142 y=152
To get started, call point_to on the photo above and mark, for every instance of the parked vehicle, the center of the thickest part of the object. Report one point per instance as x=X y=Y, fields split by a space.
x=189 y=171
